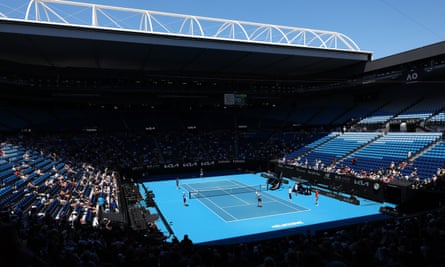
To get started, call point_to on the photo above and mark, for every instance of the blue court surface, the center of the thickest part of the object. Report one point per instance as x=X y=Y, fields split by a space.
x=219 y=212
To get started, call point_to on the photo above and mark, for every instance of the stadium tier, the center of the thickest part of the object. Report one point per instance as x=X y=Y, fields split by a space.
x=93 y=115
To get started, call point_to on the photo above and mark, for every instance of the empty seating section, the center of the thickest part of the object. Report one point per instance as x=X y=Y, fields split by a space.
x=393 y=147
x=323 y=140
x=375 y=119
x=388 y=111
x=428 y=162
x=11 y=153
x=361 y=110
x=5 y=190
x=340 y=146
x=373 y=151
x=5 y=173
x=413 y=116
x=5 y=166
x=438 y=118
x=328 y=115
x=421 y=111
x=302 y=150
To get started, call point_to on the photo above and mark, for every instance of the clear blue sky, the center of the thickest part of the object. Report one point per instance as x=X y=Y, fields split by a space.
x=383 y=27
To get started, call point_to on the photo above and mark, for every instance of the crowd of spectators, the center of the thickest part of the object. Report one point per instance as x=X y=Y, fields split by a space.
x=28 y=240
x=125 y=150
x=32 y=239
x=388 y=174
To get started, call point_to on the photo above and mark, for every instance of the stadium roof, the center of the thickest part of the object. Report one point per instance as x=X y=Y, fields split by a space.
x=421 y=53
x=51 y=41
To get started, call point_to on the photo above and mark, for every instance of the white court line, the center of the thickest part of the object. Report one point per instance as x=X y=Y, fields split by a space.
x=279 y=200
x=236 y=197
x=230 y=215
x=223 y=188
x=264 y=216
x=216 y=205
x=235 y=219
x=285 y=203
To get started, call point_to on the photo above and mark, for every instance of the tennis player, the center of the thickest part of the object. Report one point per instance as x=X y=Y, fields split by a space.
x=184 y=198
x=316 y=197
x=290 y=193
x=258 y=196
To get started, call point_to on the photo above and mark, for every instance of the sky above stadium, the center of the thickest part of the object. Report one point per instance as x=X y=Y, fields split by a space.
x=383 y=27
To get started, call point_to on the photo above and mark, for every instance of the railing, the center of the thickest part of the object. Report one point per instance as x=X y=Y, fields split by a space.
x=138 y=20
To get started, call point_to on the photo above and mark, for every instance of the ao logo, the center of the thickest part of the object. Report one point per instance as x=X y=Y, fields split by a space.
x=412 y=76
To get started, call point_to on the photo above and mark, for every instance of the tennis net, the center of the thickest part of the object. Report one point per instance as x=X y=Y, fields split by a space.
x=225 y=191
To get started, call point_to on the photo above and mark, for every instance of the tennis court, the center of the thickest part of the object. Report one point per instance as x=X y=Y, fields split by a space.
x=231 y=200
x=223 y=209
